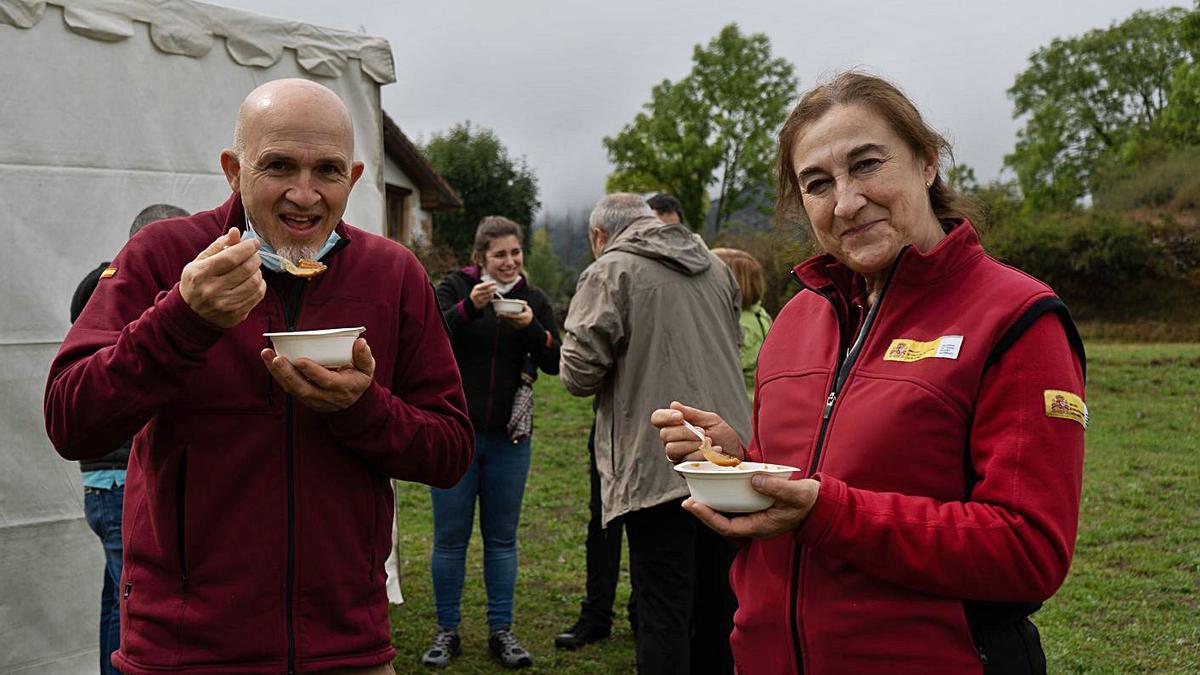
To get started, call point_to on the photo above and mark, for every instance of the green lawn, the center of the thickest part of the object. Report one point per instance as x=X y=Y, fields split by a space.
x=1129 y=605
x=1132 y=600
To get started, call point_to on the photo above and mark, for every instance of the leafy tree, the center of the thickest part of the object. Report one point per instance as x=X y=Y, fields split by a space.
x=476 y=163
x=1088 y=99
x=713 y=126
x=1181 y=118
x=749 y=92
x=962 y=178
x=665 y=149
x=543 y=267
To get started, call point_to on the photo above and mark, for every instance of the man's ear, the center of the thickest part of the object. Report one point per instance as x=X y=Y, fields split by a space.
x=356 y=171
x=598 y=239
x=232 y=168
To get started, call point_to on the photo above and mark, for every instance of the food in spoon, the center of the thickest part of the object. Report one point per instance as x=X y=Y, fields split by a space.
x=715 y=456
x=304 y=268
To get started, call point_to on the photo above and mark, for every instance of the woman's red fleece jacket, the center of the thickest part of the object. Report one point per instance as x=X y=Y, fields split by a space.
x=946 y=427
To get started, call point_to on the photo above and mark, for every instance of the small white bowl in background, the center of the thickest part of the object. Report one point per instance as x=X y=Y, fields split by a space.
x=727 y=488
x=508 y=305
x=332 y=347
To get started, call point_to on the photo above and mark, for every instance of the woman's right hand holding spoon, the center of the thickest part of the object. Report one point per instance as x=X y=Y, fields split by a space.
x=682 y=445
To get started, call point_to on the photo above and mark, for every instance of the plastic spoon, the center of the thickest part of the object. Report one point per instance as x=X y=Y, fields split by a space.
x=718 y=458
x=291 y=267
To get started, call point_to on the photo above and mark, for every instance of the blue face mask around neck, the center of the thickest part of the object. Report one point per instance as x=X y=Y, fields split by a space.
x=273 y=263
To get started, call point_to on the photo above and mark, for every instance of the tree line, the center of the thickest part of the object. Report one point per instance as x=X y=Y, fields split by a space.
x=1102 y=201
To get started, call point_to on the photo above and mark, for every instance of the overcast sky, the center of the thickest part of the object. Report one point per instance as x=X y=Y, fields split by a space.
x=553 y=77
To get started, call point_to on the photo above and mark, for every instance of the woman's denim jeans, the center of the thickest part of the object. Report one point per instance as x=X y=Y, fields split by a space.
x=497 y=478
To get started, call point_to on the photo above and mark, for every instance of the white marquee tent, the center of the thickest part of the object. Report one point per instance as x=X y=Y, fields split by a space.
x=107 y=106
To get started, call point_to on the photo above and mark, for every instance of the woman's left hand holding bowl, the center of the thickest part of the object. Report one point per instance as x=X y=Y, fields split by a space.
x=793 y=500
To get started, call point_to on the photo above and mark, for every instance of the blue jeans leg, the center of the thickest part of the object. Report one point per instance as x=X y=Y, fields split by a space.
x=102 y=509
x=496 y=478
x=501 y=490
x=453 y=516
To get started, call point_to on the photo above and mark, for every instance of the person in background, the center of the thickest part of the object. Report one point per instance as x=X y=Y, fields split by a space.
x=667 y=208
x=498 y=354
x=104 y=477
x=932 y=399
x=754 y=319
x=603 y=543
x=258 y=494
x=603 y=570
x=653 y=318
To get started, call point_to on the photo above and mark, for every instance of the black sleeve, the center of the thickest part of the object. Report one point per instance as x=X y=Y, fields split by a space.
x=85 y=289
x=544 y=351
x=457 y=310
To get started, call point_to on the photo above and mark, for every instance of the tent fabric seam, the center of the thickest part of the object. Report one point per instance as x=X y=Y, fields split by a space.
x=67 y=168
x=188 y=28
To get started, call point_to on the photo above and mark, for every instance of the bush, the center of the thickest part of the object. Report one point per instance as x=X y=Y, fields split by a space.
x=1104 y=264
x=437 y=260
x=1084 y=252
x=1161 y=179
x=778 y=250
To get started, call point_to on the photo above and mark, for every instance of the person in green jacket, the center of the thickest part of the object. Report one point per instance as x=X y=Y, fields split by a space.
x=754 y=319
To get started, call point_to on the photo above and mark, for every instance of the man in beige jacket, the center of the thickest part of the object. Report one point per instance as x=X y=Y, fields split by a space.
x=654 y=319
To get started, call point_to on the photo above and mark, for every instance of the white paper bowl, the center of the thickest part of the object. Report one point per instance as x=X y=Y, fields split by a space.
x=508 y=305
x=727 y=488
x=332 y=347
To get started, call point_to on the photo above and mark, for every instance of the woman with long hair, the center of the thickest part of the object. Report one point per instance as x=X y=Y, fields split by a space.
x=498 y=352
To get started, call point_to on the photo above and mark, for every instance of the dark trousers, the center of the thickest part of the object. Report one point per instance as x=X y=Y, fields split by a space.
x=713 y=601
x=713 y=604
x=102 y=510
x=662 y=542
x=603 y=547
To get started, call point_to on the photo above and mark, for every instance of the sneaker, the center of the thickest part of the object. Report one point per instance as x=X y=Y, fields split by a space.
x=580 y=634
x=504 y=646
x=446 y=645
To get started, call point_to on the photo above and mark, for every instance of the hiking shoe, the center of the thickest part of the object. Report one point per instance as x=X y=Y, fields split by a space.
x=446 y=645
x=504 y=646
x=580 y=634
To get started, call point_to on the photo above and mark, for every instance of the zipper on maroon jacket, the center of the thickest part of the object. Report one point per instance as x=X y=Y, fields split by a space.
x=291 y=311
x=180 y=520
x=270 y=379
x=844 y=366
x=847 y=364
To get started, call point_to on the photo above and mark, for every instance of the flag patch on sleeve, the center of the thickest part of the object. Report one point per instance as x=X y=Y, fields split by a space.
x=108 y=272
x=1067 y=406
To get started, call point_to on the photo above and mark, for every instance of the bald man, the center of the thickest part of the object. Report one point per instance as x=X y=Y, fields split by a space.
x=258 y=501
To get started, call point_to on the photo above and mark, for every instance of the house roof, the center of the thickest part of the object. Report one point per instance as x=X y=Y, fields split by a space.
x=189 y=29
x=436 y=193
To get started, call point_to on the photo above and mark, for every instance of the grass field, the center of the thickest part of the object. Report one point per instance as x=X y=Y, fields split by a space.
x=1131 y=603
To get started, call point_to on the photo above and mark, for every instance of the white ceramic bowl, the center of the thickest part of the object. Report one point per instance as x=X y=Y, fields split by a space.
x=508 y=305
x=727 y=488
x=332 y=347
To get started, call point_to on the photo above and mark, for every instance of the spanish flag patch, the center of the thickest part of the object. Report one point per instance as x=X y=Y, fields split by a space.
x=108 y=272
x=907 y=351
x=1067 y=406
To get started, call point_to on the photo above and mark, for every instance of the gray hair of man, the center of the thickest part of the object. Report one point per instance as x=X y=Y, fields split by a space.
x=153 y=213
x=617 y=211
